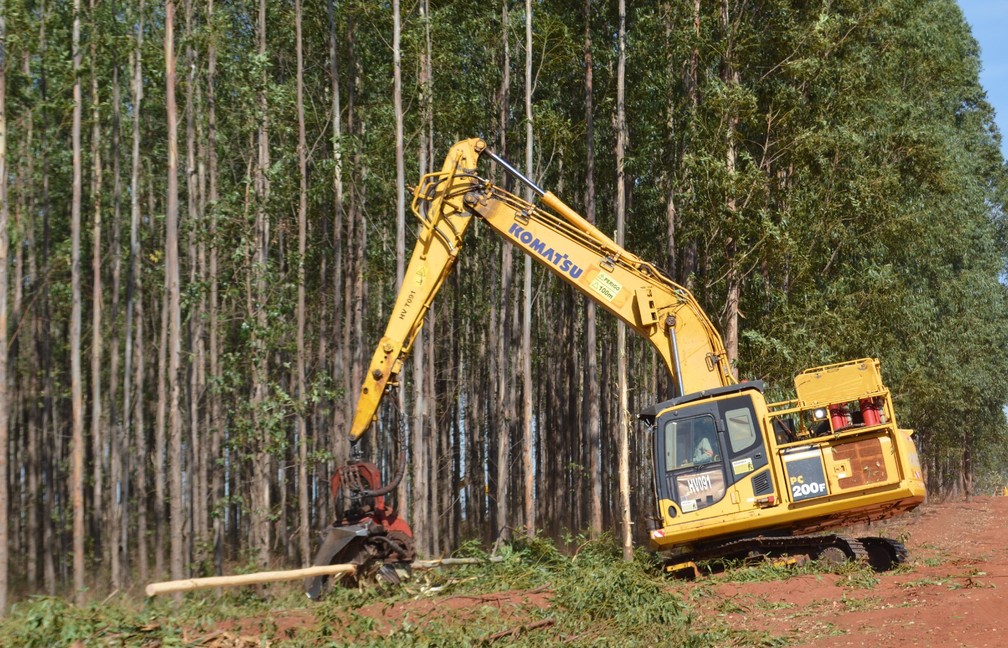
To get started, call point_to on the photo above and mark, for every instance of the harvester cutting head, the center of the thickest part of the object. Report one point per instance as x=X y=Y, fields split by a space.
x=367 y=532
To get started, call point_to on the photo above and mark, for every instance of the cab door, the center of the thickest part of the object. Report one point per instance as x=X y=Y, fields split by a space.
x=691 y=458
x=742 y=437
x=694 y=481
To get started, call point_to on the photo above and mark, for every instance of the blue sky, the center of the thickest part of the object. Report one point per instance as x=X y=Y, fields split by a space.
x=989 y=20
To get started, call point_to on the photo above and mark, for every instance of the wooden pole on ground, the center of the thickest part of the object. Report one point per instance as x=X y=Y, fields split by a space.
x=452 y=562
x=189 y=584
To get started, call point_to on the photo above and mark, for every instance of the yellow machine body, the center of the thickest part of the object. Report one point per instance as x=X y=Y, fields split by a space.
x=787 y=467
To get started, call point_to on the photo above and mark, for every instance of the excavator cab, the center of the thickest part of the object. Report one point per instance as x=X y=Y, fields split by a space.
x=705 y=443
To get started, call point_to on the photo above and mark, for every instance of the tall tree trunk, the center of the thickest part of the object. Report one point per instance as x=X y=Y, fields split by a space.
x=216 y=414
x=689 y=262
x=27 y=205
x=194 y=497
x=4 y=419
x=528 y=466
x=49 y=424
x=119 y=492
x=302 y=485
x=730 y=77
x=592 y=394
x=160 y=431
x=400 y=251
x=416 y=431
x=623 y=414
x=671 y=211
x=338 y=441
x=432 y=440
x=76 y=388
x=97 y=423
x=133 y=413
x=433 y=510
x=420 y=438
x=352 y=331
x=172 y=290
x=261 y=504
x=504 y=388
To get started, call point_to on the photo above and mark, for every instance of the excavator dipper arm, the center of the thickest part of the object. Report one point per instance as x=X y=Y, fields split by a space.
x=433 y=258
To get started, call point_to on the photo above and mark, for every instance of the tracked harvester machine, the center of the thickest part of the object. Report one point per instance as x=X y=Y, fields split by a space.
x=734 y=474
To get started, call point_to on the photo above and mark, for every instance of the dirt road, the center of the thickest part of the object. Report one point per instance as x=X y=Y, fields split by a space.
x=952 y=592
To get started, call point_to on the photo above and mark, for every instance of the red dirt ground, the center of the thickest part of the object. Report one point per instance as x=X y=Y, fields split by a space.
x=953 y=591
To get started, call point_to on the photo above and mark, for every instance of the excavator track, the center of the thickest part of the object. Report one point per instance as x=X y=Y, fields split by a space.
x=880 y=553
x=884 y=553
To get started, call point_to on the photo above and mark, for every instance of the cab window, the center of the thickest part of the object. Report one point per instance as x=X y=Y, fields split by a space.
x=741 y=431
x=690 y=442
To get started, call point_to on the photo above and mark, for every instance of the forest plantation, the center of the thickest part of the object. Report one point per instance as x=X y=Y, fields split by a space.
x=204 y=216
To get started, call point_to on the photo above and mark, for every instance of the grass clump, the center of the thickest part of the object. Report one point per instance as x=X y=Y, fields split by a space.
x=43 y=622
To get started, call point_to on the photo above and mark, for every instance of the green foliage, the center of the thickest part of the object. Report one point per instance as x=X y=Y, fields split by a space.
x=45 y=621
x=594 y=598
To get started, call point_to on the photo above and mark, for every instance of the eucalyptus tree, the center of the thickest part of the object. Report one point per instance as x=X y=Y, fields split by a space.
x=4 y=251
x=76 y=386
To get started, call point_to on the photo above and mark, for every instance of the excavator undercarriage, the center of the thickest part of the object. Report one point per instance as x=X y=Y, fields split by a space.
x=881 y=554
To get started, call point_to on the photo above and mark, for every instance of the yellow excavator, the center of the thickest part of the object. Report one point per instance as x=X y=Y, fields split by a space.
x=734 y=475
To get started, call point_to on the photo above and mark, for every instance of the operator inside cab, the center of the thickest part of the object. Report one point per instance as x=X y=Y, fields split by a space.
x=704 y=451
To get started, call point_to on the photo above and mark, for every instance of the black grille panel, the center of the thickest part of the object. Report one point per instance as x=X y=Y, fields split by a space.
x=761 y=483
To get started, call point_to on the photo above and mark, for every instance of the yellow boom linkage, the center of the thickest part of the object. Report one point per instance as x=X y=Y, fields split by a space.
x=633 y=290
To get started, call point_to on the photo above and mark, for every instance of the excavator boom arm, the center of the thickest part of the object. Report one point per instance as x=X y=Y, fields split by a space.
x=663 y=312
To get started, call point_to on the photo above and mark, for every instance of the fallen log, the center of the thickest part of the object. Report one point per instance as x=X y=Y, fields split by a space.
x=450 y=562
x=189 y=584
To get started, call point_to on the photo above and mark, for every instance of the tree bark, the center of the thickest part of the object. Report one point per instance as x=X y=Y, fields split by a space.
x=25 y=227
x=730 y=77
x=304 y=535
x=160 y=436
x=260 y=485
x=98 y=426
x=671 y=210
x=49 y=424
x=216 y=414
x=592 y=393
x=528 y=466
x=133 y=414
x=623 y=414
x=118 y=536
x=172 y=290
x=504 y=413
x=689 y=262
x=194 y=497
x=4 y=418
x=338 y=440
x=435 y=510
x=76 y=388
